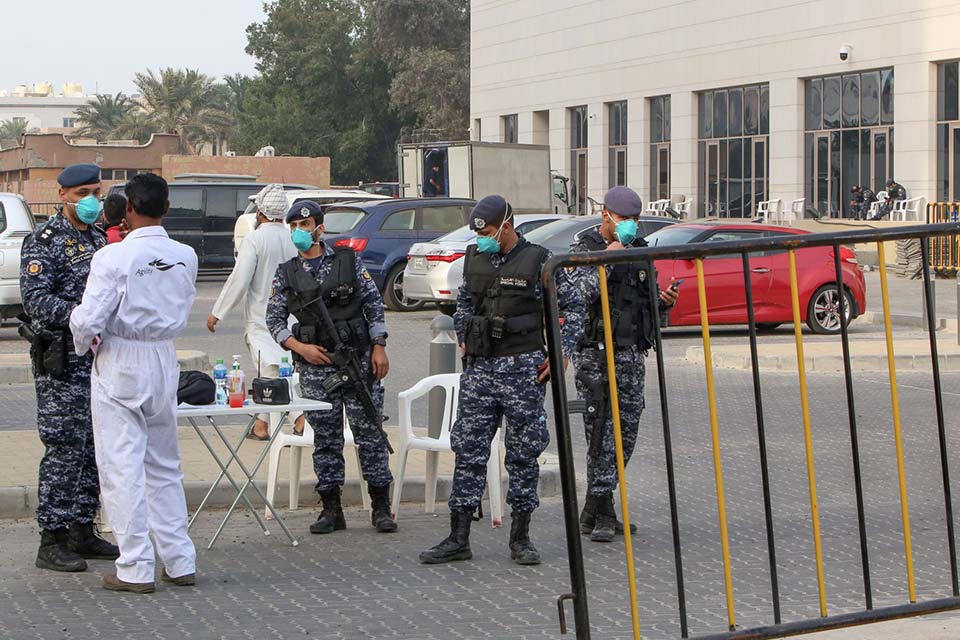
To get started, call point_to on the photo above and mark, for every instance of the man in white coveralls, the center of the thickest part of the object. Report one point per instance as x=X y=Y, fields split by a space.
x=258 y=257
x=137 y=300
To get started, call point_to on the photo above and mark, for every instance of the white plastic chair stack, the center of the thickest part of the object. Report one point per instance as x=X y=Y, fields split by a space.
x=410 y=439
x=684 y=209
x=906 y=209
x=297 y=444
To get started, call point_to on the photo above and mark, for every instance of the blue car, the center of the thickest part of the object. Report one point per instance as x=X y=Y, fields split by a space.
x=382 y=232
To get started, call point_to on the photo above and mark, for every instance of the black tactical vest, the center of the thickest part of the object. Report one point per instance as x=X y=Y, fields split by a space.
x=340 y=292
x=629 y=294
x=507 y=315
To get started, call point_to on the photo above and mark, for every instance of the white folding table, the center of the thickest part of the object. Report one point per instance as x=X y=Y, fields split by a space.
x=279 y=414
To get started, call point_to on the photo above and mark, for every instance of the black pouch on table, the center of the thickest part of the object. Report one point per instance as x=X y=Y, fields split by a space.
x=271 y=391
x=196 y=388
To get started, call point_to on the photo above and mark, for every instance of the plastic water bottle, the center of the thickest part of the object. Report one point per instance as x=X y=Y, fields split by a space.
x=286 y=371
x=220 y=380
x=235 y=385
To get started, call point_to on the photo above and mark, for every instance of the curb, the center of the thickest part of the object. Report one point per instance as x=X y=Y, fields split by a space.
x=21 y=501
x=822 y=363
x=875 y=317
x=19 y=372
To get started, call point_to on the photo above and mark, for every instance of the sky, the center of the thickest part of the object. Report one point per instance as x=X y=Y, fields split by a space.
x=102 y=44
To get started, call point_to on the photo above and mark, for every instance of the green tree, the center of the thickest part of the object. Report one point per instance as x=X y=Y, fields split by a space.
x=14 y=128
x=322 y=89
x=136 y=125
x=101 y=116
x=185 y=102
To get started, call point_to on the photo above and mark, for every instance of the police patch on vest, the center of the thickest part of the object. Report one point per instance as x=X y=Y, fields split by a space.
x=34 y=267
x=642 y=276
x=514 y=283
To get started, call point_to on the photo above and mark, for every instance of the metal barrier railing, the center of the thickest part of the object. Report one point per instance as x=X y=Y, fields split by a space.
x=698 y=252
x=944 y=250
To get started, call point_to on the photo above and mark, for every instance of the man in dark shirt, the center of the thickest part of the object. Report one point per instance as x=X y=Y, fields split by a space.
x=433 y=185
x=863 y=197
x=895 y=191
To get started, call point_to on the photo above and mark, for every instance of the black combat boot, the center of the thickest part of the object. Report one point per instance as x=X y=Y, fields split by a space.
x=55 y=553
x=456 y=546
x=605 y=523
x=331 y=518
x=85 y=542
x=589 y=514
x=380 y=509
x=522 y=550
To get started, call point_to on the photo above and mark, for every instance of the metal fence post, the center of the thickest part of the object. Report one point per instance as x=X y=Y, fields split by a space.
x=443 y=359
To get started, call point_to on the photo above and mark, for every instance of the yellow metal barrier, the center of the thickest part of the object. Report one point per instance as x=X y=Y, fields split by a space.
x=618 y=442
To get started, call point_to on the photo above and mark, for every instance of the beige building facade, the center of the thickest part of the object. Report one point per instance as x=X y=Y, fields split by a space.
x=726 y=103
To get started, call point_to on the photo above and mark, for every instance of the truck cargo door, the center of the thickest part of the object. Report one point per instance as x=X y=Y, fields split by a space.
x=411 y=177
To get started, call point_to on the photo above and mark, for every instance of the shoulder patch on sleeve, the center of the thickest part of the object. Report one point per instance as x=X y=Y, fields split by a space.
x=34 y=267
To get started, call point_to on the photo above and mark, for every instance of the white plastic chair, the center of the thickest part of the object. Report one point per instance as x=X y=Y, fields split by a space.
x=796 y=211
x=297 y=444
x=684 y=209
x=410 y=439
x=906 y=209
x=770 y=210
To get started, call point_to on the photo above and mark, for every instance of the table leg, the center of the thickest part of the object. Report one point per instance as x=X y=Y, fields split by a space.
x=224 y=471
x=250 y=482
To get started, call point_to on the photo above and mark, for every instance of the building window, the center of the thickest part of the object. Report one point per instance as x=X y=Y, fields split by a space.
x=733 y=150
x=477 y=130
x=617 y=125
x=69 y=123
x=659 y=148
x=578 y=158
x=508 y=126
x=849 y=137
x=948 y=132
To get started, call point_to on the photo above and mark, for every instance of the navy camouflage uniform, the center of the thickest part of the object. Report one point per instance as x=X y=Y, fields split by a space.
x=591 y=363
x=492 y=388
x=54 y=264
x=328 y=425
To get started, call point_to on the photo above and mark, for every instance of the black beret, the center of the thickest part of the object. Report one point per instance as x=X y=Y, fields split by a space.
x=79 y=174
x=623 y=201
x=490 y=210
x=305 y=209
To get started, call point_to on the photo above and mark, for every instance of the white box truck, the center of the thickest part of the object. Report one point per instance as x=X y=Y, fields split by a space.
x=519 y=172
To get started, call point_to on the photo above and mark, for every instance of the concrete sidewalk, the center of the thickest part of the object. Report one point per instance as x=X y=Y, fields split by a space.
x=20 y=453
x=15 y=367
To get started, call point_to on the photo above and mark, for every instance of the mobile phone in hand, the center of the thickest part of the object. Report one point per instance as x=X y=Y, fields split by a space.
x=675 y=285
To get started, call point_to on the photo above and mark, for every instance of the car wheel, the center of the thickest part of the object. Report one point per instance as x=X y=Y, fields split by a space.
x=393 y=292
x=768 y=326
x=823 y=313
x=447 y=309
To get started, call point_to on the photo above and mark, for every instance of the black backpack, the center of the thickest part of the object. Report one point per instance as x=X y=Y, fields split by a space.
x=196 y=388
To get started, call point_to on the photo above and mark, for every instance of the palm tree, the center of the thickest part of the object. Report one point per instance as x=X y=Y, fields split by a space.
x=14 y=128
x=136 y=125
x=185 y=102
x=102 y=115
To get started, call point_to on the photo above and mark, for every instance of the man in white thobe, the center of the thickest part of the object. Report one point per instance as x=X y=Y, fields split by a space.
x=259 y=255
x=137 y=300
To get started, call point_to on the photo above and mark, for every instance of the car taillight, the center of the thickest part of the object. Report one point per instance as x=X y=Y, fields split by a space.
x=848 y=255
x=357 y=244
x=445 y=256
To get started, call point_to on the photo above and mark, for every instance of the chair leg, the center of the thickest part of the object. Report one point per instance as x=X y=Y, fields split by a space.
x=494 y=485
x=364 y=495
x=296 y=462
x=430 y=482
x=398 y=481
x=273 y=474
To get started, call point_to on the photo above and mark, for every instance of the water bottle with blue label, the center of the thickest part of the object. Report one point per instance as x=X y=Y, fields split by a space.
x=220 y=380
x=286 y=370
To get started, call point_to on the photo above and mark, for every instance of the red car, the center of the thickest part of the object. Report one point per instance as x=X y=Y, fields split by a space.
x=770 y=277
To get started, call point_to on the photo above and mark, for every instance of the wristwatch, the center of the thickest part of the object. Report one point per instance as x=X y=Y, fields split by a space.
x=380 y=340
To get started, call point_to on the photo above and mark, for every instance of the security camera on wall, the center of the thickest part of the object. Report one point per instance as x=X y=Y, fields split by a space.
x=845 y=51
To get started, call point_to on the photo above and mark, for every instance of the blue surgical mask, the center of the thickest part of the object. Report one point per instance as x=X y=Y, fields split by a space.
x=490 y=244
x=302 y=240
x=626 y=231
x=88 y=209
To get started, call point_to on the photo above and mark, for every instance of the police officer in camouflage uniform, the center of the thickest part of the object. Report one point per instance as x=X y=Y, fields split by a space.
x=499 y=323
x=356 y=308
x=54 y=263
x=633 y=335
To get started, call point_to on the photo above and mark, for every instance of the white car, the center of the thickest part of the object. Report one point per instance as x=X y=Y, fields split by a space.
x=428 y=274
x=16 y=223
x=248 y=219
